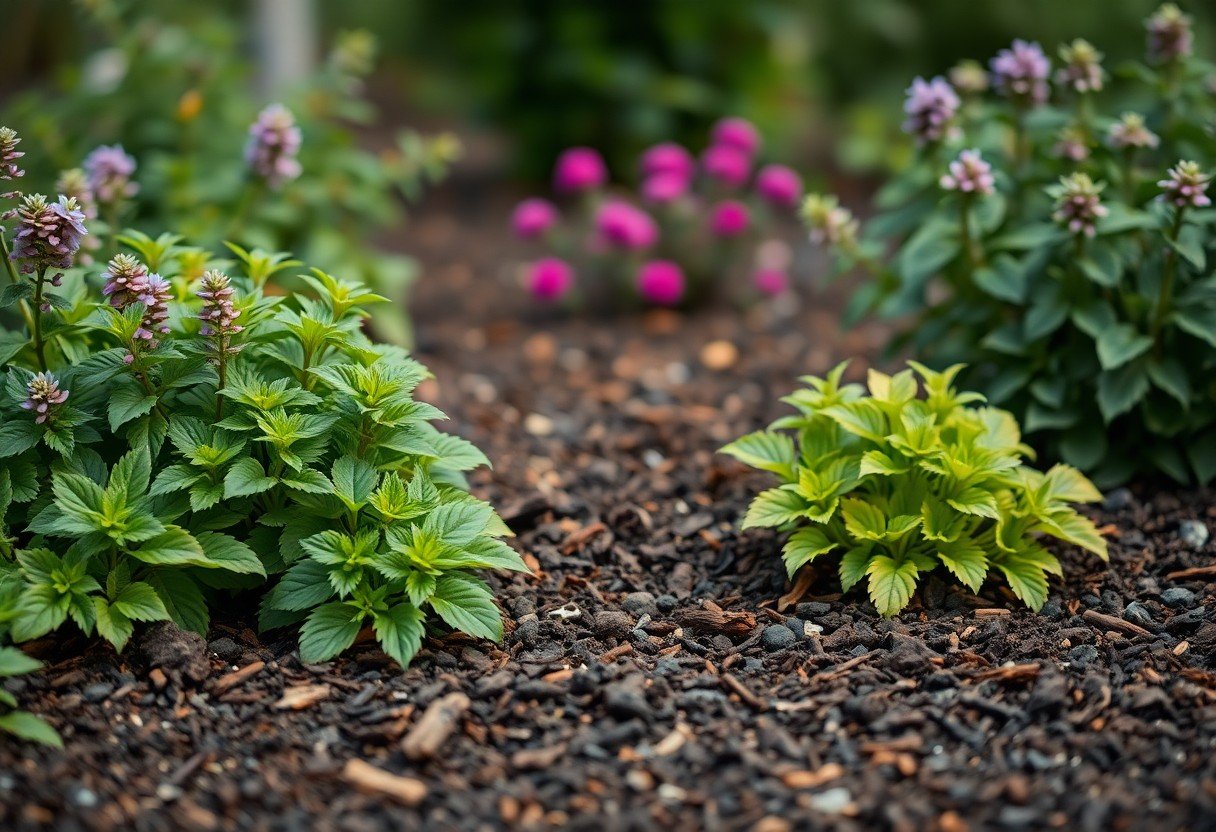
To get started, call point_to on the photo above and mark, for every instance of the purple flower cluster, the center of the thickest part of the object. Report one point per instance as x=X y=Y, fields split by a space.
x=9 y=154
x=931 y=107
x=43 y=397
x=109 y=169
x=579 y=169
x=274 y=142
x=1078 y=204
x=969 y=174
x=1186 y=186
x=1169 y=35
x=533 y=218
x=48 y=234
x=1020 y=73
x=1129 y=133
x=1082 y=69
x=74 y=183
x=661 y=282
x=218 y=314
x=1072 y=144
x=623 y=226
x=550 y=279
x=127 y=282
x=730 y=218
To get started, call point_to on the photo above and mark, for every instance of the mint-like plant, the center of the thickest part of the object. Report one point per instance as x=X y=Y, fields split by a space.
x=172 y=431
x=897 y=484
x=1055 y=234
x=22 y=724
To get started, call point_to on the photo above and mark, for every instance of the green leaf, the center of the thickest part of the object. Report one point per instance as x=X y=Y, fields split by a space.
x=804 y=546
x=15 y=663
x=183 y=600
x=112 y=625
x=245 y=478
x=466 y=604
x=877 y=462
x=853 y=566
x=966 y=561
x=400 y=631
x=1027 y=580
x=482 y=553
x=127 y=402
x=420 y=586
x=354 y=480
x=891 y=583
x=174 y=478
x=1169 y=374
x=27 y=726
x=304 y=585
x=456 y=453
x=457 y=523
x=308 y=481
x=1120 y=390
x=229 y=553
x=18 y=436
x=976 y=501
x=139 y=602
x=173 y=547
x=1119 y=344
x=774 y=507
x=766 y=450
x=40 y=609
x=329 y=630
x=863 y=520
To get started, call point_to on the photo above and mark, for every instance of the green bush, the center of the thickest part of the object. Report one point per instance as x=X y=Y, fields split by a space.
x=898 y=484
x=1074 y=276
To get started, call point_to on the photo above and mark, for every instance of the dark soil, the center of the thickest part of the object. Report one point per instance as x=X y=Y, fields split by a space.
x=658 y=672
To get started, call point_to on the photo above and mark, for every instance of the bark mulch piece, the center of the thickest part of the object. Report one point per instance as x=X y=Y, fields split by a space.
x=658 y=672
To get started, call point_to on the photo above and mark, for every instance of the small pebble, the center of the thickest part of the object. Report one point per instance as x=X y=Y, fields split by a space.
x=833 y=801
x=1193 y=533
x=1137 y=613
x=640 y=603
x=1117 y=500
x=1083 y=655
x=1178 y=597
x=613 y=624
x=777 y=637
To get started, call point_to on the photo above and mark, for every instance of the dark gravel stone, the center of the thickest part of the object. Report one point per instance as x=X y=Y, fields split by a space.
x=1193 y=533
x=1083 y=655
x=1118 y=500
x=777 y=637
x=612 y=624
x=812 y=609
x=1137 y=613
x=640 y=603
x=97 y=691
x=1185 y=620
x=227 y=649
x=666 y=603
x=1178 y=597
x=625 y=700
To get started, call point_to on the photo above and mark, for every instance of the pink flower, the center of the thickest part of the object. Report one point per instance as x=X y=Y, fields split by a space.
x=726 y=164
x=771 y=282
x=670 y=158
x=729 y=219
x=624 y=226
x=662 y=188
x=779 y=185
x=738 y=133
x=970 y=174
x=532 y=218
x=550 y=278
x=661 y=282
x=579 y=169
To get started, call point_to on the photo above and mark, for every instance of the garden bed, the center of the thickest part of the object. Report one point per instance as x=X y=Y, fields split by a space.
x=652 y=675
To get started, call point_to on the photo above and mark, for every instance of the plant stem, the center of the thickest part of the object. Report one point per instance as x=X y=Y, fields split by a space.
x=1166 y=297
x=222 y=369
x=13 y=276
x=39 y=346
x=964 y=225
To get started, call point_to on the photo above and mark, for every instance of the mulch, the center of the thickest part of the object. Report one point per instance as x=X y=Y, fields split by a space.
x=659 y=672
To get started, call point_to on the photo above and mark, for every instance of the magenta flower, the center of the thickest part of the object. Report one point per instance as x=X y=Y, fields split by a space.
x=1169 y=35
x=550 y=279
x=663 y=188
x=729 y=219
x=931 y=107
x=110 y=169
x=43 y=397
x=738 y=133
x=1020 y=73
x=579 y=169
x=624 y=226
x=273 y=144
x=1186 y=186
x=969 y=174
x=661 y=282
x=48 y=234
x=1078 y=204
x=771 y=282
x=533 y=218
x=726 y=164
x=668 y=158
x=779 y=185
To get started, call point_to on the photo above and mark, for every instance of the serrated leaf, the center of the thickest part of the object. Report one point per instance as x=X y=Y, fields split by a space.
x=228 y=553
x=853 y=566
x=400 y=631
x=466 y=604
x=966 y=561
x=766 y=450
x=774 y=507
x=138 y=601
x=353 y=480
x=303 y=586
x=27 y=726
x=891 y=583
x=328 y=631
x=183 y=600
x=127 y=402
x=112 y=625
x=245 y=478
x=804 y=546
x=419 y=587
x=173 y=547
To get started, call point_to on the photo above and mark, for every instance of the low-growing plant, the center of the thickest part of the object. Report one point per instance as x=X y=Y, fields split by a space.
x=707 y=228
x=898 y=484
x=178 y=433
x=1055 y=234
x=22 y=724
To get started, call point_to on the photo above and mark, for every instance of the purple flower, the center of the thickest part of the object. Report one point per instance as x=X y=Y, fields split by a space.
x=74 y=183
x=668 y=158
x=1082 y=70
x=48 y=234
x=1020 y=73
x=624 y=226
x=1078 y=204
x=110 y=169
x=1169 y=35
x=1186 y=186
x=272 y=147
x=550 y=279
x=771 y=282
x=779 y=185
x=663 y=188
x=1072 y=144
x=969 y=174
x=579 y=169
x=218 y=315
x=43 y=397
x=533 y=218
x=9 y=154
x=128 y=282
x=729 y=219
x=969 y=78
x=829 y=222
x=931 y=107
x=661 y=282
x=738 y=133
x=1129 y=132
x=726 y=164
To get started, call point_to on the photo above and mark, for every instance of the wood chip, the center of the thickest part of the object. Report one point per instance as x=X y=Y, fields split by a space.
x=538 y=758
x=802 y=779
x=436 y=725
x=230 y=680
x=801 y=587
x=577 y=540
x=992 y=612
x=302 y=696
x=734 y=685
x=369 y=779
x=1113 y=623
x=710 y=619
x=1193 y=572
x=719 y=355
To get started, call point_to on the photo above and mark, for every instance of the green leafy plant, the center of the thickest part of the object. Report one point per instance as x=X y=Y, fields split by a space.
x=1049 y=236
x=898 y=484
x=194 y=433
x=20 y=723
